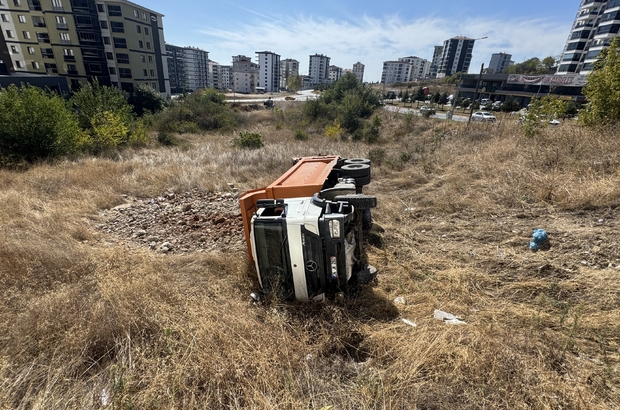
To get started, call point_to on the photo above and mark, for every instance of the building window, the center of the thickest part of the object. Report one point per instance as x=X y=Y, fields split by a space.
x=144 y=16
x=109 y=56
x=152 y=73
x=103 y=24
x=22 y=19
x=14 y=50
x=122 y=58
x=138 y=29
x=124 y=72
x=64 y=38
x=136 y=14
x=17 y=2
x=35 y=65
x=68 y=52
x=146 y=31
x=26 y=34
x=150 y=59
x=144 y=72
x=148 y=45
x=142 y=59
x=106 y=40
x=51 y=68
x=47 y=53
x=120 y=42
x=61 y=23
x=18 y=64
x=57 y=5
x=140 y=44
x=117 y=27
x=100 y=8
x=9 y=34
x=30 y=50
x=114 y=10
x=112 y=70
x=4 y=18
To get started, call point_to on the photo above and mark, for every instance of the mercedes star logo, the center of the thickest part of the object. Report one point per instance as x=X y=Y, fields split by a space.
x=311 y=266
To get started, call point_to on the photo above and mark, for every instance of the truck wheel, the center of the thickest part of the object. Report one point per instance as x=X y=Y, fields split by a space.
x=366 y=219
x=357 y=161
x=356 y=170
x=359 y=201
x=362 y=181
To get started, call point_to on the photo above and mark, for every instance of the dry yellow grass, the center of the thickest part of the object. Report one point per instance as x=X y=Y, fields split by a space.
x=86 y=321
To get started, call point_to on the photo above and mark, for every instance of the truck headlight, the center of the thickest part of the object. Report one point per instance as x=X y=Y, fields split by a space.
x=334 y=263
x=334 y=229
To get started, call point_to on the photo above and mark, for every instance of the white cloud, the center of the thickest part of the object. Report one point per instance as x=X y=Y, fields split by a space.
x=373 y=41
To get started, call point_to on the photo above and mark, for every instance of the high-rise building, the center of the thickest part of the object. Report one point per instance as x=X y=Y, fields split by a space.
x=244 y=74
x=188 y=68
x=358 y=70
x=335 y=73
x=420 y=67
x=396 y=72
x=288 y=67
x=596 y=24
x=499 y=62
x=116 y=42
x=456 y=56
x=318 y=69
x=269 y=71
x=436 y=61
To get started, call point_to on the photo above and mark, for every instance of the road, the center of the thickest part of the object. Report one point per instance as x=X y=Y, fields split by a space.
x=310 y=95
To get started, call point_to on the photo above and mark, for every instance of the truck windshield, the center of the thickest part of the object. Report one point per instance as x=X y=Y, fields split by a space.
x=272 y=257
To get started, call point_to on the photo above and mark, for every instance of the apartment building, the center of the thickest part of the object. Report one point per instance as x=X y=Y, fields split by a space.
x=420 y=67
x=358 y=70
x=436 y=61
x=596 y=24
x=116 y=42
x=188 y=68
x=245 y=75
x=456 y=56
x=318 y=69
x=269 y=71
x=396 y=72
x=499 y=62
x=334 y=75
x=288 y=67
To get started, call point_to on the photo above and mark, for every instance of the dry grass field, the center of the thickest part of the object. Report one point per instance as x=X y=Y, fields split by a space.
x=89 y=321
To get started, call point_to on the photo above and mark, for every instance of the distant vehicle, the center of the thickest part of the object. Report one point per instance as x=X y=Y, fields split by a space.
x=483 y=116
x=425 y=110
x=485 y=101
x=268 y=103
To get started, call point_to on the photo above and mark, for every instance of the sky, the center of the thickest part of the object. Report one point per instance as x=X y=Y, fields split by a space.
x=370 y=32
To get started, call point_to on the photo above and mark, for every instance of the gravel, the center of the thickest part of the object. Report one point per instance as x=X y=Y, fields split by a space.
x=178 y=223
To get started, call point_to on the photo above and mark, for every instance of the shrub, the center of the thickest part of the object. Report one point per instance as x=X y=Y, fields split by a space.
x=167 y=138
x=35 y=124
x=107 y=131
x=301 y=136
x=377 y=155
x=249 y=140
x=92 y=100
x=334 y=130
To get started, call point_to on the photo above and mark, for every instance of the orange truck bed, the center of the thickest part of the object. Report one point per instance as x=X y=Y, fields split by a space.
x=303 y=179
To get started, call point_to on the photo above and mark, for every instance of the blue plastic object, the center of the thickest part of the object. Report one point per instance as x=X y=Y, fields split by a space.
x=538 y=237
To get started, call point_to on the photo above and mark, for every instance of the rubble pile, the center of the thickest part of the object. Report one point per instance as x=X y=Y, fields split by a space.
x=179 y=222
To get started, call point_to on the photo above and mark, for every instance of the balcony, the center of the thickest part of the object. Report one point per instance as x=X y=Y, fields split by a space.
x=58 y=8
x=62 y=26
x=34 y=5
x=70 y=59
x=72 y=72
x=39 y=24
x=63 y=41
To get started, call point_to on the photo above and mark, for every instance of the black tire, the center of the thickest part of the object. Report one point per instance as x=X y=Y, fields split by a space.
x=362 y=181
x=366 y=219
x=357 y=161
x=356 y=170
x=359 y=201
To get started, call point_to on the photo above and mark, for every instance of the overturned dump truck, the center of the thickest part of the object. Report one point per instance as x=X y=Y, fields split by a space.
x=304 y=232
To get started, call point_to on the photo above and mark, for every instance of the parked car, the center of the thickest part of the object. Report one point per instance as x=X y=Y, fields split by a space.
x=483 y=116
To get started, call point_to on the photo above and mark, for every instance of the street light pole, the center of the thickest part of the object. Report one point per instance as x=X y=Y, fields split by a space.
x=458 y=86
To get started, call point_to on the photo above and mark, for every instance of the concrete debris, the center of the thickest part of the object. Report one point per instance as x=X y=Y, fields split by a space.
x=448 y=318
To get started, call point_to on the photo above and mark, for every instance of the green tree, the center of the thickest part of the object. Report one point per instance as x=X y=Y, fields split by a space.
x=540 y=112
x=146 y=99
x=93 y=99
x=405 y=97
x=294 y=83
x=603 y=88
x=533 y=66
x=35 y=124
x=419 y=96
